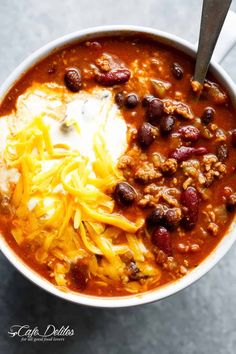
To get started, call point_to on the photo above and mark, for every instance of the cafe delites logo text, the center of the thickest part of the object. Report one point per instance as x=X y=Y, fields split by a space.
x=50 y=333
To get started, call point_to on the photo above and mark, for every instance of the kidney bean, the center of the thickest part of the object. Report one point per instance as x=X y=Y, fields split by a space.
x=201 y=150
x=190 y=201
x=161 y=239
x=222 y=152
x=177 y=71
x=233 y=137
x=131 y=100
x=208 y=115
x=119 y=99
x=189 y=133
x=146 y=100
x=124 y=194
x=79 y=276
x=155 y=110
x=72 y=79
x=113 y=77
x=156 y=217
x=167 y=124
x=145 y=135
x=185 y=152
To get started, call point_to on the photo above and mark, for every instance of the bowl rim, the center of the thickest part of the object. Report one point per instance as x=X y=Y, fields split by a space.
x=166 y=290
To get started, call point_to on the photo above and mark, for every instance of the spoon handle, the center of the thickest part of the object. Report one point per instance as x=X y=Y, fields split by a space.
x=213 y=16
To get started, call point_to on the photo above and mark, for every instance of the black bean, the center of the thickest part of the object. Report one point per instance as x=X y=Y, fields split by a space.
x=177 y=71
x=72 y=79
x=222 y=152
x=124 y=194
x=231 y=202
x=155 y=110
x=145 y=135
x=146 y=99
x=208 y=115
x=233 y=137
x=156 y=217
x=167 y=124
x=172 y=218
x=119 y=99
x=131 y=101
x=133 y=271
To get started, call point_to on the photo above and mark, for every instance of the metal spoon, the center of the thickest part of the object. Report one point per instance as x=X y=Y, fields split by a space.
x=213 y=16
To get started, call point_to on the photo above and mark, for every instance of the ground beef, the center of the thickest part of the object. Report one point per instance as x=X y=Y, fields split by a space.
x=220 y=135
x=196 y=86
x=215 y=93
x=187 y=248
x=147 y=173
x=213 y=168
x=153 y=194
x=169 y=167
x=213 y=228
x=125 y=161
x=107 y=62
x=202 y=174
x=170 y=264
x=161 y=257
x=104 y=63
x=177 y=107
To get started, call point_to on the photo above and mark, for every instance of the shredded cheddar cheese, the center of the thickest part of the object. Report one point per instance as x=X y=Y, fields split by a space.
x=63 y=211
x=61 y=198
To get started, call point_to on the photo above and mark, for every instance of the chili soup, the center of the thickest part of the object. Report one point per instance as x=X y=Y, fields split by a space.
x=117 y=177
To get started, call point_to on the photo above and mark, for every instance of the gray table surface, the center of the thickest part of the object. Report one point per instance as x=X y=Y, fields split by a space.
x=200 y=319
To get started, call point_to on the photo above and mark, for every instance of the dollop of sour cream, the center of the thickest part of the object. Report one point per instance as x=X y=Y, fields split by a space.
x=74 y=119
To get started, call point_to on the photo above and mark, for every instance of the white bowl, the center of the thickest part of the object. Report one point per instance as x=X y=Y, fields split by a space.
x=166 y=290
